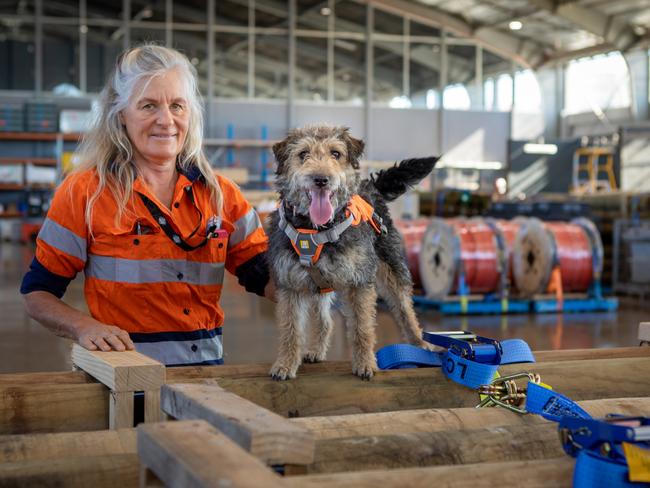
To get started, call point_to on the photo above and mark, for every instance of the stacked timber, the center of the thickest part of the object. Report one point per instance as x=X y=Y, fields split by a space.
x=325 y=428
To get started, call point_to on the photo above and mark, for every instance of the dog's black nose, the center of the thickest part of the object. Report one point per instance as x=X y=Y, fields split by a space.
x=321 y=181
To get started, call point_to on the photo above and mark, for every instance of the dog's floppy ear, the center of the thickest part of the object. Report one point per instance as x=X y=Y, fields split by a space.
x=281 y=153
x=355 y=148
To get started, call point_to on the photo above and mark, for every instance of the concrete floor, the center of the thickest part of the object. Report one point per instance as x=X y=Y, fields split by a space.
x=250 y=334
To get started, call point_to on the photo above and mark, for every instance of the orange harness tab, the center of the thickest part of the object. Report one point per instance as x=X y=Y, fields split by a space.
x=362 y=211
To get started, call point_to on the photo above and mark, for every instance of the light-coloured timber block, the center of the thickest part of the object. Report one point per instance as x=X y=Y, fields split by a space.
x=120 y=410
x=152 y=411
x=124 y=372
x=265 y=434
x=120 y=370
x=644 y=333
x=192 y=453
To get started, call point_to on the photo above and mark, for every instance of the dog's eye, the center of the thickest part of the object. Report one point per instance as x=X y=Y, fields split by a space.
x=303 y=155
x=336 y=155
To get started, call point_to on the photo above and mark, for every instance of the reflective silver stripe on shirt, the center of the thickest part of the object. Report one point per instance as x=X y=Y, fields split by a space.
x=244 y=227
x=154 y=270
x=181 y=352
x=63 y=239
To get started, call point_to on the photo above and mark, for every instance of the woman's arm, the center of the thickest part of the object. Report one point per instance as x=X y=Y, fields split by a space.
x=66 y=321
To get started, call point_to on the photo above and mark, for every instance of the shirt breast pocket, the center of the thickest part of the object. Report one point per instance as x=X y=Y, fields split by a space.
x=218 y=246
x=141 y=242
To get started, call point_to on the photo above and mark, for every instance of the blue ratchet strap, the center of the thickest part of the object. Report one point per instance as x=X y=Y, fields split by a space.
x=471 y=364
x=550 y=404
x=596 y=444
x=583 y=437
x=404 y=356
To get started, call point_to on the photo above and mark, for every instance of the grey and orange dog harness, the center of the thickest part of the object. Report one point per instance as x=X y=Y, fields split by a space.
x=309 y=243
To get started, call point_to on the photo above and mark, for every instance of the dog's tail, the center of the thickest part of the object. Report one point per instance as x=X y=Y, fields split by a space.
x=403 y=176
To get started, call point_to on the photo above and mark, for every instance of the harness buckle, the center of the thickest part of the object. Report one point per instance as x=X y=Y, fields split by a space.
x=504 y=392
x=332 y=234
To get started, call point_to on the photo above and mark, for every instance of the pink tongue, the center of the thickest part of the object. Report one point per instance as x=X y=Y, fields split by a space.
x=320 y=210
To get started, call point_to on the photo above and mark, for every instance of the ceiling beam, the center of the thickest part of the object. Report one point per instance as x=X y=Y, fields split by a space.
x=524 y=52
x=611 y=29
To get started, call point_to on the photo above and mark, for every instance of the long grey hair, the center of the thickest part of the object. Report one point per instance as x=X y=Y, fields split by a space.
x=107 y=148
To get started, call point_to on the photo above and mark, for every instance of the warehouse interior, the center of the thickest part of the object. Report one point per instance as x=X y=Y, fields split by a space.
x=539 y=109
x=324 y=243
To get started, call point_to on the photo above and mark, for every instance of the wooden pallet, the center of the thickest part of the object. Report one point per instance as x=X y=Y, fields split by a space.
x=326 y=428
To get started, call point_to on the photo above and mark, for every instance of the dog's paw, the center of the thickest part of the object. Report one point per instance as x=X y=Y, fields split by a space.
x=313 y=357
x=364 y=369
x=280 y=372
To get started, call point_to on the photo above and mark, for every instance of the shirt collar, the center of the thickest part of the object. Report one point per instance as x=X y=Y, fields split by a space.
x=192 y=173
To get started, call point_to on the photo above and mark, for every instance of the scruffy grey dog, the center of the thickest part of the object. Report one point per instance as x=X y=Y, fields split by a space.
x=317 y=176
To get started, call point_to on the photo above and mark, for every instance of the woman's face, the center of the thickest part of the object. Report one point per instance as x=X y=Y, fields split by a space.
x=156 y=119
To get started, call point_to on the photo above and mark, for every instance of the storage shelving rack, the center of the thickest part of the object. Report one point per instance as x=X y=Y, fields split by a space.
x=30 y=148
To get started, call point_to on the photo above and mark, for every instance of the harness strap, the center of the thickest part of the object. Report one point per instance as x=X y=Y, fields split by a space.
x=308 y=244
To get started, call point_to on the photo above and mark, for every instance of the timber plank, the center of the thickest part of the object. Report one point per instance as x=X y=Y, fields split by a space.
x=62 y=377
x=192 y=453
x=120 y=370
x=34 y=447
x=188 y=373
x=53 y=408
x=493 y=444
x=547 y=473
x=435 y=420
x=95 y=443
x=83 y=406
x=341 y=393
x=265 y=434
x=107 y=471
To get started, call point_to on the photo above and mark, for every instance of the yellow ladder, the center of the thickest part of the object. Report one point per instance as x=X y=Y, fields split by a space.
x=593 y=167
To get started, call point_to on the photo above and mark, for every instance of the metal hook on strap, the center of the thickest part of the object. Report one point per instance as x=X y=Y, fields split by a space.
x=504 y=392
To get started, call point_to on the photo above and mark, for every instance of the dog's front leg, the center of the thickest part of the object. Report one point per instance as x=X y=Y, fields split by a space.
x=320 y=330
x=292 y=312
x=360 y=311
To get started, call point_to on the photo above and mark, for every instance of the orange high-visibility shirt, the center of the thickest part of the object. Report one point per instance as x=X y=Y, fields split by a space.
x=136 y=278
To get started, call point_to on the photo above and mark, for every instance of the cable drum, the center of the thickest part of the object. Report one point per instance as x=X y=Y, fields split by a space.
x=505 y=233
x=412 y=232
x=453 y=246
x=597 y=250
x=540 y=247
x=439 y=258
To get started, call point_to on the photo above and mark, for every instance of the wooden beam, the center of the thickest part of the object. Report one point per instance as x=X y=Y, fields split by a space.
x=343 y=393
x=189 y=373
x=123 y=373
x=192 y=453
x=266 y=435
x=53 y=408
x=436 y=420
x=40 y=447
x=120 y=371
x=503 y=443
x=106 y=471
x=548 y=473
x=45 y=402
x=644 y=333
x=14 y=448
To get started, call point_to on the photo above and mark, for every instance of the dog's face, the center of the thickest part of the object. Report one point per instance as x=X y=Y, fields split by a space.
x=318 y=170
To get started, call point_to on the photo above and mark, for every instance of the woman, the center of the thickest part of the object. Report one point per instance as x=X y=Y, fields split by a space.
x=148 y=222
